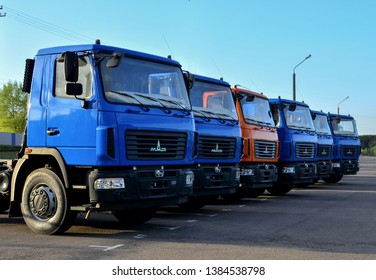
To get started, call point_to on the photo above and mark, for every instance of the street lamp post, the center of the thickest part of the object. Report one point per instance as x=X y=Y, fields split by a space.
x=347 y=97
x=294 y=77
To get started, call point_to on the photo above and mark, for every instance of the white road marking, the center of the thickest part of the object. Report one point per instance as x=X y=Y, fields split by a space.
x=170 y=228
x=106 y=248
x=140 y=236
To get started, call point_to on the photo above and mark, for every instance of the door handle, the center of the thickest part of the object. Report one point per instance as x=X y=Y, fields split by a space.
x=52 y=132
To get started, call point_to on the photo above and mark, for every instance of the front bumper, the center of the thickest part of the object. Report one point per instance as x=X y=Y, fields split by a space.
x=215 y=179
x=143 y=187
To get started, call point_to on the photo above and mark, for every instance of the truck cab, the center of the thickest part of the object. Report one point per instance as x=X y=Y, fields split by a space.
x=324 y=145
x=347 y=146
x=108 y=129
x=261 y=147
x=298 y=140
x=218 y=138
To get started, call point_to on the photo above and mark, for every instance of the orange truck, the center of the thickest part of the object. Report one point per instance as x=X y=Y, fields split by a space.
x=261 y=146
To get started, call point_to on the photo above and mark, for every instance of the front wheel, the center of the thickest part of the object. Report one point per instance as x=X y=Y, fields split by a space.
x=256 y=192
x=44 y=205
x=333 y=179
x=134 y=216
x=279 y=190
x=232 y=198
x=4 y=191
x=4 y=203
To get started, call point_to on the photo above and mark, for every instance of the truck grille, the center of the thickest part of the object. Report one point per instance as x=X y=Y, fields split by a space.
x=305 y=150
x=265 y=149
x=348 y=151
x=325 y=151
x=216 y=147
x=157 y=145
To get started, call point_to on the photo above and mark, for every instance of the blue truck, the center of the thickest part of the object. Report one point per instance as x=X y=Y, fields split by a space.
x=324 y=145
x=108 y=129
x=219 y=141
x=298 y=143
x=347 y=148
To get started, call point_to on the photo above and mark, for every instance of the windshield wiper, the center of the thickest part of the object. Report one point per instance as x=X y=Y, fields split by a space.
x=228 y=115
x=177 y=103
x=166 y=109
x=147 y=109
x=204 y=116
x=302 y=128
x=259 y=122
x=216 y=114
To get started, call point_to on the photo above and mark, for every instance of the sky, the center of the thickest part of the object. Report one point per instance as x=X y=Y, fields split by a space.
x=256 y=44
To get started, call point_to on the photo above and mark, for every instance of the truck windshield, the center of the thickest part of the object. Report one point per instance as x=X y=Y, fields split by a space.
x=344 y=126
x=321 y=125
x=298 y=117
x=135 y=81
x=212 y=101
x=256 y=110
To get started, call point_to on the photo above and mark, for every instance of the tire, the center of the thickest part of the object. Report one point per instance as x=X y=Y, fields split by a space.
x=333 y=179
x=232 y=198
x=4 y=191
x=193 y=204
x=303 y=186
x=279 y=190
x=44 y=205
x=4 y=203
x=134 y=216
x=256 y=192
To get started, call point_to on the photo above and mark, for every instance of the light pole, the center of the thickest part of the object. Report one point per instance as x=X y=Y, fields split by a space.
x=347 y=97
x=294 y=76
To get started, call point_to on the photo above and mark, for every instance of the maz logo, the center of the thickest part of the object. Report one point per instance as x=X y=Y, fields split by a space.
x=217 y=149
x=158 y=148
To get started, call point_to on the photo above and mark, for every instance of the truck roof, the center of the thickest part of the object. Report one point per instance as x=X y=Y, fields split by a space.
x=107 y=49
x=281 y=100
x=211 y=80
x=237 y=90
x=342 y=116
x=318 y=112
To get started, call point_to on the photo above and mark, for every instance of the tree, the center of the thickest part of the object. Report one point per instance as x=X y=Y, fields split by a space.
x=13 y=107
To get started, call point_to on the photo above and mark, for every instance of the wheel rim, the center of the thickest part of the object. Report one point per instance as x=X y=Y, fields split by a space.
x=42 y=202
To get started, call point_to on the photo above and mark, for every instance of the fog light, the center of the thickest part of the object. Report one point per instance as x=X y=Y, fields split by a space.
x=109 y=183
x=189 y=179
x=288 y=169
x=247 y=172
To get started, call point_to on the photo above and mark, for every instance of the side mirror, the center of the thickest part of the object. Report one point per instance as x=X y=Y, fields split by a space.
x=114 y=60
x=250 y=98
x=28 y=76
x=71 y=66
x=189 y=79
x=73 y=89
x=292 y=107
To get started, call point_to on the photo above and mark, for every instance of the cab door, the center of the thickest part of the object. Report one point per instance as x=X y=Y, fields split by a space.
x=71 y=120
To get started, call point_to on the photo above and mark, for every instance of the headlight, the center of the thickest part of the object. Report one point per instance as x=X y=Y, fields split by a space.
x=247 y=172
x=109 y=183
x=288 y=169
x=189 y=179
